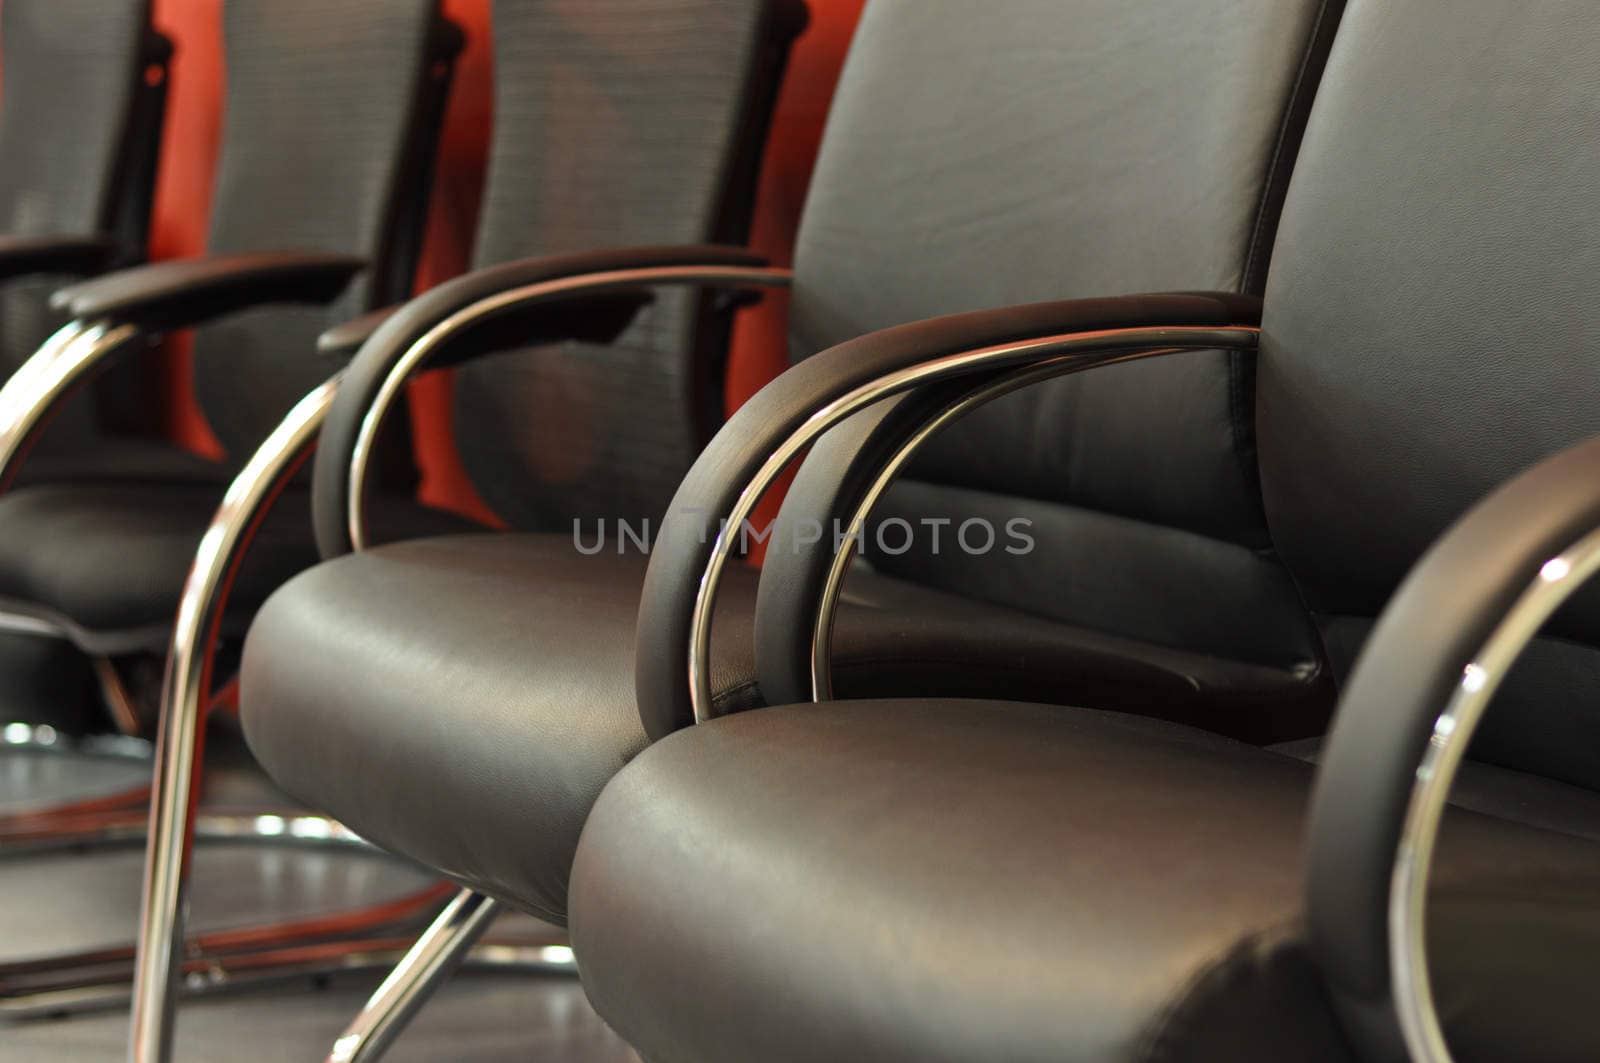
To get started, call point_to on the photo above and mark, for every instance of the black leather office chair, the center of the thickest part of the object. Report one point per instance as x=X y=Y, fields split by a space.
x=80 y=126
x=502 y=670
x=923 y=879
x=617 y=122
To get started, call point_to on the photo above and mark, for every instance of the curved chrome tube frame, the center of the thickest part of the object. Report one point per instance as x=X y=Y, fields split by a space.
x=439 y=951
x=1411 y=991
x=183 y=698
x=828 y=604
x=417 y=355
x=29 y=398
x=1065 y=354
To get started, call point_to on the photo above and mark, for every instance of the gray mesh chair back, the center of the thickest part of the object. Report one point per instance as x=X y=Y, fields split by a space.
x=326 y=142
x=953 y=180
x=617 y=123
x=80 y=127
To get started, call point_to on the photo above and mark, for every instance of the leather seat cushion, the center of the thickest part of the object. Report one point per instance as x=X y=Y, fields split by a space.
x=500 y=670
x=461 y=700
x=120 y=459
x=107 y=561
x=956 y=880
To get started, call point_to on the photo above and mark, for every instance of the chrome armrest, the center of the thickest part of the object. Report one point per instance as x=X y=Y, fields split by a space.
x=487 y=310
x=820 y=525
x=187 y=292
x=986 y=352
x=30 y=396
x=1431 y=666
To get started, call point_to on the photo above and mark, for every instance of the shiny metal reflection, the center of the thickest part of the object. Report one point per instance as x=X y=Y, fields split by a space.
x=417 y=355
x=1410 y=987
x=1074 y=352
x=425 y=966
x=184 y=693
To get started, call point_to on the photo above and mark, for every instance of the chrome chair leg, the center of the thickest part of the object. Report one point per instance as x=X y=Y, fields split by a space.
x=440 y=949
x=179 y=751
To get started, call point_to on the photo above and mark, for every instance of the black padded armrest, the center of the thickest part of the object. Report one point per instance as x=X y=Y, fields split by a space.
x=1414 y=660
x=595 y=316
x=599 y=318
x=77 y=255
x=724 y=469
x=345 y=339
x=188 y=292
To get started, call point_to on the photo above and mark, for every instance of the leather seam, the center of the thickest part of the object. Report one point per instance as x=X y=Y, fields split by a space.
x=1275 y=163
x=1253 y=277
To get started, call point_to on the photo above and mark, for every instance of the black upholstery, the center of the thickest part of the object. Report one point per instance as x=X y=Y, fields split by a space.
x=1426 y=328
x=618 y=123
x=437 y=659
x=949 y=880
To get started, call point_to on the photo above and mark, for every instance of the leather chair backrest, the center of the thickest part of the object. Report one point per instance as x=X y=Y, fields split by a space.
x=616 y=123
x=326 y=130
x=78 y=134
x=1430 y=321
x=980 y=155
